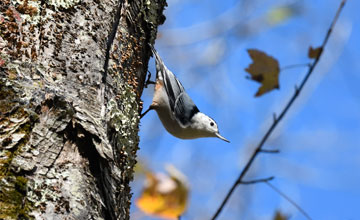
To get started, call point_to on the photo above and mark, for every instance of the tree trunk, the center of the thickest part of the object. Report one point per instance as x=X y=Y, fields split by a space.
x=71 y=76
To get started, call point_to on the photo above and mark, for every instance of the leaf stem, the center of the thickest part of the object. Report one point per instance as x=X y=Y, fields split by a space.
x=295 y=66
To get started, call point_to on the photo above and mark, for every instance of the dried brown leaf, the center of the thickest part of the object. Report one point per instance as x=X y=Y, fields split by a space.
x=314 y=53
x=280 y=216
x=265 y=70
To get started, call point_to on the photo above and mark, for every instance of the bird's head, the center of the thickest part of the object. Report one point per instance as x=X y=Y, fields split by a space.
x=207 y=126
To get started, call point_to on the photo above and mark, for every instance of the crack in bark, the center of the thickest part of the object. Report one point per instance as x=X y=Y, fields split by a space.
x=40 y=24
x=84 y=141
x=110 y=40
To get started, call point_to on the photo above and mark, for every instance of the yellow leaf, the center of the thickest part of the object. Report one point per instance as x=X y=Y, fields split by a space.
x=164 y=196
x=280 y=216
x=280 y=14
x=265 y=70
x=314 y=53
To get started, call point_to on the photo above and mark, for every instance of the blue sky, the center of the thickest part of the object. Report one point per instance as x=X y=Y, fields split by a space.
x=204 y=43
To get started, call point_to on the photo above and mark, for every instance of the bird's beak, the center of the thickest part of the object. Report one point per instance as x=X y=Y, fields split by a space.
x=221 y=137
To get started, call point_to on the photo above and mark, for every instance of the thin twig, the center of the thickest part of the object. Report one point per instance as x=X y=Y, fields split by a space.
x=257 y=181
x=283 y=112
x=295 y=66
x=288 y=199
x=269 y=151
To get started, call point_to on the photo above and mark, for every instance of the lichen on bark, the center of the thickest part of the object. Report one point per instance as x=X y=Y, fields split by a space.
x=16 y=124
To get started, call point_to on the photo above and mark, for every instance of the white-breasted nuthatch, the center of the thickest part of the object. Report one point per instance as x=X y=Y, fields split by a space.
x=176 y=110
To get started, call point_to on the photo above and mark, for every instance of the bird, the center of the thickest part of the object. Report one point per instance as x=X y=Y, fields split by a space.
x=176 y=110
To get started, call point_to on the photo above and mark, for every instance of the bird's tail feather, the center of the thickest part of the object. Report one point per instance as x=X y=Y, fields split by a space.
x=159 y=63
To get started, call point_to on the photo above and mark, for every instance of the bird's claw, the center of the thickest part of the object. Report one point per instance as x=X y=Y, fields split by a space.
x=148 y=81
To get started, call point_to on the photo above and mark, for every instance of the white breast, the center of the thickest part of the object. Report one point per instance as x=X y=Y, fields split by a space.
x=161 y=105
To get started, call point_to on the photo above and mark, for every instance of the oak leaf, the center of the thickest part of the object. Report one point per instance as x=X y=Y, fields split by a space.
x=265 y=70
x=314 y=53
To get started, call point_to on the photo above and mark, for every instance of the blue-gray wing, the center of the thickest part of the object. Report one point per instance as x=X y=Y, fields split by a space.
x=180 y=102
x=184 y=109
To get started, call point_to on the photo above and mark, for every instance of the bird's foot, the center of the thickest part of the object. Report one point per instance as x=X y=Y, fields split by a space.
x=148 y=81
x=143 y=114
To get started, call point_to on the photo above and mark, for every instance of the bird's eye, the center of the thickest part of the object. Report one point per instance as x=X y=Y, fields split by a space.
x=211 y=123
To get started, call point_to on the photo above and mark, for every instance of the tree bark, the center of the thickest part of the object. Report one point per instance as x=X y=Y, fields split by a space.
x=71 y=76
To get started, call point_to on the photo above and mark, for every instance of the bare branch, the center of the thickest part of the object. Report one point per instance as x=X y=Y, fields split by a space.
x=282 y=114
x=288 y=199
x=257 y=181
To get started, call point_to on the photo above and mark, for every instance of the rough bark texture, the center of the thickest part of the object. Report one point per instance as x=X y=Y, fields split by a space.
x=71 y=77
